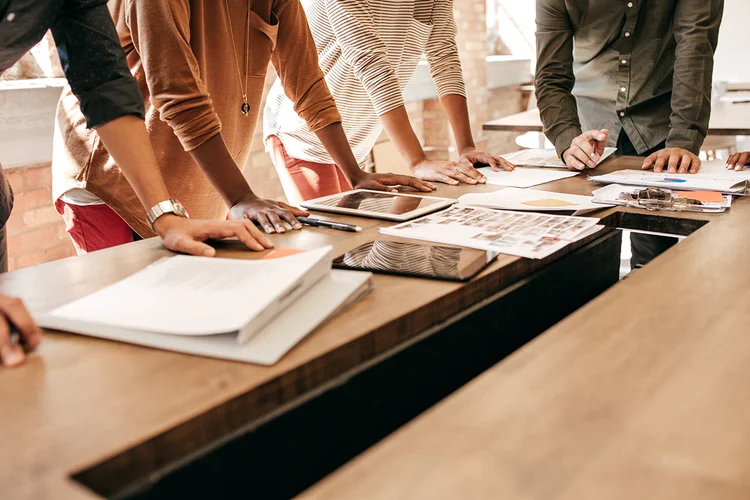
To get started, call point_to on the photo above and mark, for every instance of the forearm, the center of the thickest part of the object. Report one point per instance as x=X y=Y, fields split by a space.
x=696 y=30
x=554 y=80
x=458 y=116
x=127 y=141
x=401 y=133
x=335 y=141
x=217 y=163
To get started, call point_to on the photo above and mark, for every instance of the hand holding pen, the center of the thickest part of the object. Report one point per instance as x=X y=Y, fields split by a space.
x=18 y=332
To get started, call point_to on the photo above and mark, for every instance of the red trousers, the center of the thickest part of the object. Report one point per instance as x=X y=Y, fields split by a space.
x=305 y=180
x=94 y=227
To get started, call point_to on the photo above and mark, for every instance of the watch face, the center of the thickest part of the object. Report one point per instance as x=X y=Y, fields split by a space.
x=179 y=209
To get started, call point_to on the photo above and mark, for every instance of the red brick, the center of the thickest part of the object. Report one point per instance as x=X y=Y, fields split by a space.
x=31 y=259
x=60 y=251
x=41 y=216
x=32 y=241
x=39 y=176
x=34 y=198
x=15 y=224
x=15 y=178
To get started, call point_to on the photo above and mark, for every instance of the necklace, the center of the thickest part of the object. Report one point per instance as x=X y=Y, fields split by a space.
x=245 y=108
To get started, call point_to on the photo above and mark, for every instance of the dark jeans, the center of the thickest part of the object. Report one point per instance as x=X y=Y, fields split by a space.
x=645 y=247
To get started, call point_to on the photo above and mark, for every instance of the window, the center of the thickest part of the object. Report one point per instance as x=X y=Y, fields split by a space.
x=511 y=27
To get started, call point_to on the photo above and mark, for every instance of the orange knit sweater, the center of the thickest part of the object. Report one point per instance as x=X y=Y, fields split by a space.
x=181 y=53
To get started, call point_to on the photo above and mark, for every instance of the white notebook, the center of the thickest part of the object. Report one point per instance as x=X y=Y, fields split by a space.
x=245 y=310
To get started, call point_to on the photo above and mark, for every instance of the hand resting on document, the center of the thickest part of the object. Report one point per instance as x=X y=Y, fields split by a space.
x=674 y=160
x=13 y=312
x=738 y=161
x=188 y=235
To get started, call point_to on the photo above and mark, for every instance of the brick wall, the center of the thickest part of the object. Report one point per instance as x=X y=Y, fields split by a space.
x=36 y=233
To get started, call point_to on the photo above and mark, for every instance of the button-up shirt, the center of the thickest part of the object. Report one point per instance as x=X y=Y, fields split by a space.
x=89 y=49
x=642 y=66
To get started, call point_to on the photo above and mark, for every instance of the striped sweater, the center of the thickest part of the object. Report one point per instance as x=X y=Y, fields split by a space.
x=368 y=50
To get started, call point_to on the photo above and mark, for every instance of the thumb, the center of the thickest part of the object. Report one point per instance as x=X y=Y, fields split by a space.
x=187 y=244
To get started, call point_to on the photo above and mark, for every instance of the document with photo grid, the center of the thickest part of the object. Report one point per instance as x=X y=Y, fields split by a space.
x=530 y=235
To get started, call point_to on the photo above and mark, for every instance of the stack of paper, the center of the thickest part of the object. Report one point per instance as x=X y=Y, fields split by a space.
x=524 y=177
x=727 y=182
x=535 y=236
x=529 y=200
x=545 y=158
x=245 y=310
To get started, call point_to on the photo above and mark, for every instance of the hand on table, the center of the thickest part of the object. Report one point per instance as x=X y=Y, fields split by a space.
x=385 y=182
x=738 y=161
x=13 y=311
x=273 y=216
x=586 y=150
x=473 y=156
x=188 y=235
x=675 y=160
x=448 y=172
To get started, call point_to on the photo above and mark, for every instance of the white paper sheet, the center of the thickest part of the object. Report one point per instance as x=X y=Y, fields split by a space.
x=534 y=236
x=530 y=200
x=546 y=158
x=185 y=295
x=525 y=177
x=717 y=167
x=324 y=300
x=726 y=182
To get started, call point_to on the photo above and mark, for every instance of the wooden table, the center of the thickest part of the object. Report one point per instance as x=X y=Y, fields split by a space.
x=642 y=393
x=123 y=419
x=726 y=119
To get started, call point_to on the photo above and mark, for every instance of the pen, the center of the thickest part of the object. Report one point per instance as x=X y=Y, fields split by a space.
x=309 y=221
x=14 y=335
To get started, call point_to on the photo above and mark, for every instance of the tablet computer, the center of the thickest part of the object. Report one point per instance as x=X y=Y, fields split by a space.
x=378 y=204
x=416 y=259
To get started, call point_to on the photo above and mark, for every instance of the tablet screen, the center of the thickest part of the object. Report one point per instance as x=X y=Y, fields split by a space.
x=381 y=203
x=414 y=259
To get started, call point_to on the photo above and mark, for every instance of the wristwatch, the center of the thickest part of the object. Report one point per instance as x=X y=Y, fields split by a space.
x=166 y=207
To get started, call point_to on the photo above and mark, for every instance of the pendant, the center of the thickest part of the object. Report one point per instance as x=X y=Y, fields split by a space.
x=245 y=108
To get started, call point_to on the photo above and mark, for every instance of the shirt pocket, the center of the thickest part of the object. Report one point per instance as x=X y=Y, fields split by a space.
x=419 y=35
x=261 y=43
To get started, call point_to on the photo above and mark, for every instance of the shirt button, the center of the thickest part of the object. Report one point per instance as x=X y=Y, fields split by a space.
x=627 y=34
x=630 y=5
x=622 y=113
x=623 y=89
x=10 y=17
x=624 y=61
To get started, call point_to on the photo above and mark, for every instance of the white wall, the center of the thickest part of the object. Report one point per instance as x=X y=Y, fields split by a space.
x=732 y=62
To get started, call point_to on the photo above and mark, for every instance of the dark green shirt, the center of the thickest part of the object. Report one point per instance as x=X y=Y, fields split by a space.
x=642 y=66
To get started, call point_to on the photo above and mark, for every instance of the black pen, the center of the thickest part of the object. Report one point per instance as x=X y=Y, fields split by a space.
x=309 y=221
